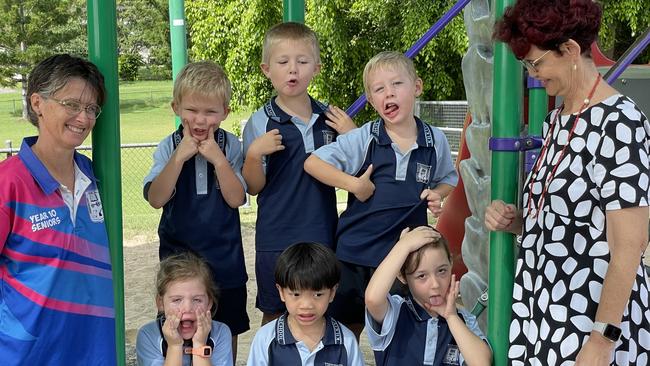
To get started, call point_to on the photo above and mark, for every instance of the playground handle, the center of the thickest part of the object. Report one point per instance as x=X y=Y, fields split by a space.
x=417 y=46
x=639 y=45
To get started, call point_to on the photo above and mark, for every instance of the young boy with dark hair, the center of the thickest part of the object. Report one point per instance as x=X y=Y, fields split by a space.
x=196 y=178
x=306 y=276
x=292 y=206
x=394 y=167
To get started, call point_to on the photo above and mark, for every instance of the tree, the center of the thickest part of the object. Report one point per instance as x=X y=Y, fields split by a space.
x=143 y=29
x=32 y=30
x=231 y=32
x=623 y=22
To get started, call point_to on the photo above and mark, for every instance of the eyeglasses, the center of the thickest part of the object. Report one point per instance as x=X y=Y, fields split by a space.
x=532 y=65
x=74 y=107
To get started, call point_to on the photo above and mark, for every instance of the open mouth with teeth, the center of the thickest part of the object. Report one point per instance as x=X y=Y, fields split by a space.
x=74 y=129
x=187 y=329
x=199 y=133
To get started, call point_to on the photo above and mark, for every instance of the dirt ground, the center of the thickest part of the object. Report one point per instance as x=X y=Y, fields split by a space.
x=140 y=261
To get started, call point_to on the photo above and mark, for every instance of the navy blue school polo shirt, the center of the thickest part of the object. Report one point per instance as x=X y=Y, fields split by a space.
x=197 y=218
x=292 y=206
x=410 y=336
x=274 y=345
x=368 y=230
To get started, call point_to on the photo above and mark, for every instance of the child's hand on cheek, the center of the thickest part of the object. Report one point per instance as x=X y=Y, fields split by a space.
x=209 y=147
x=188 y=147
x=203 y=326
x=170 y=329
x=448 y=307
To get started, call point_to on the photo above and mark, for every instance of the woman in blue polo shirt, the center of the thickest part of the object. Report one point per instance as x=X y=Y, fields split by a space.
x=56 y=293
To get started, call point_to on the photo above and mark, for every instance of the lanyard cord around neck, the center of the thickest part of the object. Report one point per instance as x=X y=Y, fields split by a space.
x=542 y=155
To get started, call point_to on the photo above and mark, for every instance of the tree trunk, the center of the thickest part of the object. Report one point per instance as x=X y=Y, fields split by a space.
x=23 y=82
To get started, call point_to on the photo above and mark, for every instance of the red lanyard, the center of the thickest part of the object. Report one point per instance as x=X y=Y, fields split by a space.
x=544 y=151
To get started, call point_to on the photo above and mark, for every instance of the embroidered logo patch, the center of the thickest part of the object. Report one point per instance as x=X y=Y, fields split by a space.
x=328 y=137
x=94 y=206
x=423 y=173
x=452 y=357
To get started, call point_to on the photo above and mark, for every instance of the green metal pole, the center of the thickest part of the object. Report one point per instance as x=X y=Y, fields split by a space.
x=537 y=107
x=294 y=11
x=507 y=94
x=178 y=35
x=102 y=51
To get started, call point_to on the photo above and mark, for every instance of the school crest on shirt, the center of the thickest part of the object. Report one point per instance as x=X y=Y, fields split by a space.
x=94 y=205
x=328 y=137
x=452 y=357
x=422 y=173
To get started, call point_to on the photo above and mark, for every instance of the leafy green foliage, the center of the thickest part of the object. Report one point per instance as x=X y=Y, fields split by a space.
x=32 y=30
x=143 y=28
x=623 y=22
x=127 y=66
x=231 y=32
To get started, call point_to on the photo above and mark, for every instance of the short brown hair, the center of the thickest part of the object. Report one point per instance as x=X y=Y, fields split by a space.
x=388 y=60
x=205 y=78
x=413 y=259
x=186 y=266
x=289 y=31
x=54 y=73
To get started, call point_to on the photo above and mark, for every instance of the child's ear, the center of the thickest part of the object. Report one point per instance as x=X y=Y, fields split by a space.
x=317 y=69
x=175 y=108
x=280 y=292
x=265 y=70
x=159 y=304
x=401 y=279
x=333 y=292
x=418 y=87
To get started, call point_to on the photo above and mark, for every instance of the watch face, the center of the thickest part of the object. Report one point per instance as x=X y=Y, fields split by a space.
x=207 y=351
x=612 y=332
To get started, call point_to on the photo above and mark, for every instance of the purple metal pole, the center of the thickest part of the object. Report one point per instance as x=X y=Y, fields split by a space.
x=628 y=57
x=417 y=47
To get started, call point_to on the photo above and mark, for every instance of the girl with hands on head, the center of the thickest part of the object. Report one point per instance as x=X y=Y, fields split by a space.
x=423 y=327
x=184 y=333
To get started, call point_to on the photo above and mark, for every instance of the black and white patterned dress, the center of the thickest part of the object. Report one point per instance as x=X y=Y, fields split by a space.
x=564 y=253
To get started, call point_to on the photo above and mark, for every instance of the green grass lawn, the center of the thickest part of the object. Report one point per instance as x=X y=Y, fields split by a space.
x=145 y=117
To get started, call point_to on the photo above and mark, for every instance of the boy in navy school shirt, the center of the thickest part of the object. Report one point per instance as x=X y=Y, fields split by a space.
x=306 y=277
x=292 y=206
x=196 y=178
x=394 y=168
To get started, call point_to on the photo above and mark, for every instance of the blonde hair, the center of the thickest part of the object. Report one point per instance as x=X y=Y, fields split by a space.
x=205 y=78
x=388 y=60
x=186 y=266
x=289 y=31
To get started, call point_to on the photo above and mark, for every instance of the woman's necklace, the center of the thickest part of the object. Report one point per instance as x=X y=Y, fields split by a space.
x=542 y=155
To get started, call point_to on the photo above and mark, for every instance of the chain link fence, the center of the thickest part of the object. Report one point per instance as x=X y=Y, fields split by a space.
x=137 y=159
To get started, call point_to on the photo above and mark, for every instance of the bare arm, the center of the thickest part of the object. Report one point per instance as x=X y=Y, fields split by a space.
x=361 y=187
x=627 y=237
x=474 y=350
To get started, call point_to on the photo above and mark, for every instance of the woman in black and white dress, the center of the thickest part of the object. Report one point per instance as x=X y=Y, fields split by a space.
x=581 y=294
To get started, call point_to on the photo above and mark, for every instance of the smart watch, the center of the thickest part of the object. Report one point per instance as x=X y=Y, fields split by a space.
x=609 y=331
x=205 y=351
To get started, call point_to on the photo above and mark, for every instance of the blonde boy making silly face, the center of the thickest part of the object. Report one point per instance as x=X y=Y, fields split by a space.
x=196 y=179
x=395 y=168
x=277 y=139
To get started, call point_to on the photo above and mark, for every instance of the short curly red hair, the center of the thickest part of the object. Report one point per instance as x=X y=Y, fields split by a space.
x=549 y=23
